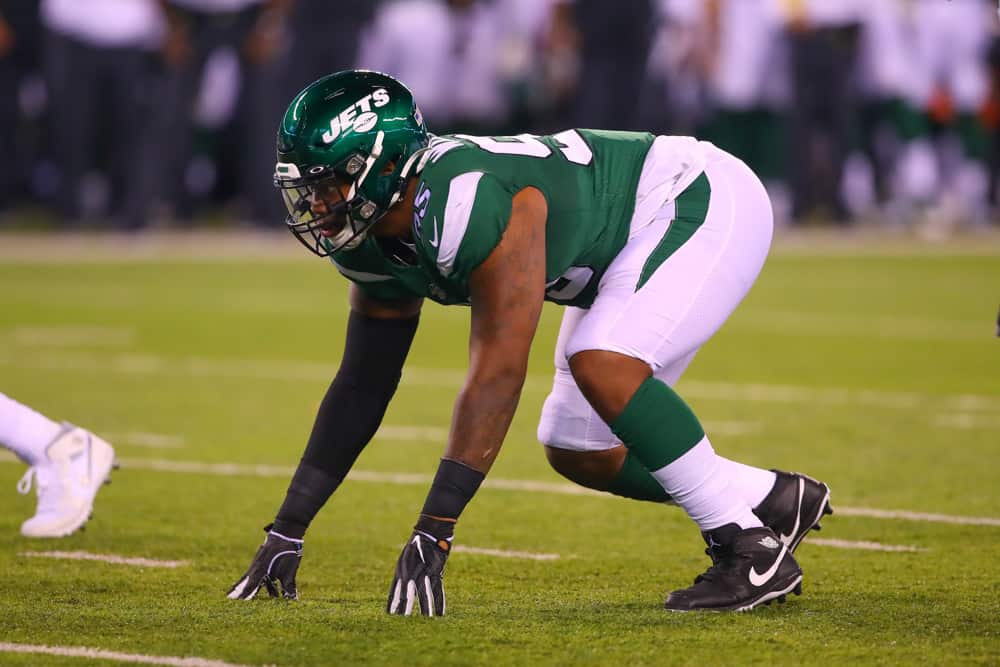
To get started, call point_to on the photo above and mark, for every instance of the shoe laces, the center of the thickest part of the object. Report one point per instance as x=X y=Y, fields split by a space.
x=45 y=480
x=725 y=560
x=24 y=484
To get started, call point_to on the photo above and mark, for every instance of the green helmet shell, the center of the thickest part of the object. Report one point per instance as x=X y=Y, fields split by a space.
x=349 y=126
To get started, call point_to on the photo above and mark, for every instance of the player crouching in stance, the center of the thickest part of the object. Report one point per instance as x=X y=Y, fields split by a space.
x=68 y=466
x=650 y=243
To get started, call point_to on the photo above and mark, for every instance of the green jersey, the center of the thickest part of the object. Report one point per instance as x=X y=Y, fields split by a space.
x=463 y=205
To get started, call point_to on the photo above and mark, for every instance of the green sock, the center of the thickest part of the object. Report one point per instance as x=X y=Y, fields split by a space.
x=634 y=481
x=657 y=425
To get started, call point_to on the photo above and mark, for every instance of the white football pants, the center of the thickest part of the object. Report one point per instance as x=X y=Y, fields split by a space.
x=679 y=307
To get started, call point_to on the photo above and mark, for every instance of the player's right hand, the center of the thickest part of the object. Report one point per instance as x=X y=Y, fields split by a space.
x=418 y=577
x=274 y=566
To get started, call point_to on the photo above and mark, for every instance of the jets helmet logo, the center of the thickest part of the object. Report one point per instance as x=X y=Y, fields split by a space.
x=358 y=117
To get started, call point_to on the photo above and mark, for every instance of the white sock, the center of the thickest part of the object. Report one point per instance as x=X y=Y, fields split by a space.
x=753 y=483
x=704 y=486
x=25 y=432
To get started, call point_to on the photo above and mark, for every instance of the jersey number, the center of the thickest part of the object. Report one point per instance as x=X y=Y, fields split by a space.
x=570 y=144
x=569 y=285
x=574 y=148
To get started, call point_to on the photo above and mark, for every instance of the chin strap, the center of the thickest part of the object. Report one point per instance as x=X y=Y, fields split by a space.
x=404 y=173
x=349 y=237
x=348 y=232
x=372 y=157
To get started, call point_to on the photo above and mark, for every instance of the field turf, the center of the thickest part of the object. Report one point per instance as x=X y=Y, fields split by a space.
x=870 y=363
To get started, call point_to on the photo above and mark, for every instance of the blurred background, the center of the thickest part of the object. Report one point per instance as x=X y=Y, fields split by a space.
x=135 y=114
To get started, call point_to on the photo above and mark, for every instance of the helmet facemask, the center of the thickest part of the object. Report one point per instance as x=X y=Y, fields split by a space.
x=345 y=147
x=349 y=218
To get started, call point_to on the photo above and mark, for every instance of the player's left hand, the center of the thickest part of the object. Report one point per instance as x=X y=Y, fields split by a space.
x=418 y=576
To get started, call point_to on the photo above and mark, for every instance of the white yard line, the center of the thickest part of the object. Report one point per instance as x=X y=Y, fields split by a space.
x=141 y=439
x=221 y=469
x=797 y=394
x=459 y=548
x=105 y=558
x=28 y=247
x=877 y=242
x=265 y=470
x=199 y=245
x=395 y=433
x=730 y=428
x=873 y=513
x=822 y=324
x=234 y=469
x=172 y=564
x=413 y=433
x=503 y=553
x=968 y=422
x=101 y=654
x=71 y=335
x=286 y=370
x=865 y=546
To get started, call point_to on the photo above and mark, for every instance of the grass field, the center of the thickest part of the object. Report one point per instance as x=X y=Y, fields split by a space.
x=869 y=363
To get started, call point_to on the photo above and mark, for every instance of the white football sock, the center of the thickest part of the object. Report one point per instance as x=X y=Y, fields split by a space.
x=753 y=483
x=704 y=486
x=25 y=432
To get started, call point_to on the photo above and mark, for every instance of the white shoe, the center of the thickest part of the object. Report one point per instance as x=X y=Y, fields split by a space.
x=76 y=463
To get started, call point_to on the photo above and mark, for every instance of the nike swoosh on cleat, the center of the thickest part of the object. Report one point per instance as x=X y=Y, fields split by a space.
x=787 y=539
x=758 y=580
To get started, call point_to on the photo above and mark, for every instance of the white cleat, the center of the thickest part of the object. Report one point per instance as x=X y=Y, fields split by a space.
x=75 y=466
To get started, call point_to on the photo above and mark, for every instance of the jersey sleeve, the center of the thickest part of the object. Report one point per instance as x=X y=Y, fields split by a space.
x=389 y=290
x=376 y=276
x=463 y=232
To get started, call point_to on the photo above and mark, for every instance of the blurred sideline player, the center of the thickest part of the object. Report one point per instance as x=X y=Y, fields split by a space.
x=946 y=80
x=68 y=466
x=650 y=242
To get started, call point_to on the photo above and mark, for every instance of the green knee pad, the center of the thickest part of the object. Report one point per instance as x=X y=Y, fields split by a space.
x=657 y=425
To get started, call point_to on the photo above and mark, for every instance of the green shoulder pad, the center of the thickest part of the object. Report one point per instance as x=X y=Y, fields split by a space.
x=459 y=220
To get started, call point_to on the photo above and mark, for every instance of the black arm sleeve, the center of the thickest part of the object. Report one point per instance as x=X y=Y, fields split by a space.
x=349 y=415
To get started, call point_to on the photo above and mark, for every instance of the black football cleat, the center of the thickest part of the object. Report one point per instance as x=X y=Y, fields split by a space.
x=794 y=506
x=749 y=567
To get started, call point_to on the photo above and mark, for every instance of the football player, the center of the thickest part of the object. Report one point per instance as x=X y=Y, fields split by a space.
x=650 y=243
x=68 y=466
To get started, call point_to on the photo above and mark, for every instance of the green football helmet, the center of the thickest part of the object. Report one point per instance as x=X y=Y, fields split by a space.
x=358 y=131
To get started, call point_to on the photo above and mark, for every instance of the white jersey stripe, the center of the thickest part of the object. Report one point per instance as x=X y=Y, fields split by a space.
x=461 y=197
x=361 y=276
